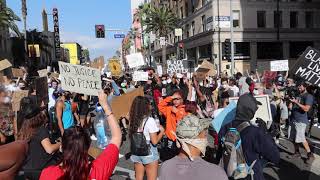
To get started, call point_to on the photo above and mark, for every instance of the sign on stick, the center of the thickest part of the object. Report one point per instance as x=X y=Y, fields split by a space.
x=281 y=65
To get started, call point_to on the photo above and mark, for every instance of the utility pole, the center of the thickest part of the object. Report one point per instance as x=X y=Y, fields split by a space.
x=232 y=42
x=24 y=16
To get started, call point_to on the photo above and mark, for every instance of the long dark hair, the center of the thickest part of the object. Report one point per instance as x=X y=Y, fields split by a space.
x=139 y=110
x=31 y=124
x=75 y=146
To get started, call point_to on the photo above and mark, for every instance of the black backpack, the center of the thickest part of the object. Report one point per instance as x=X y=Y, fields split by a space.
x=139 y=146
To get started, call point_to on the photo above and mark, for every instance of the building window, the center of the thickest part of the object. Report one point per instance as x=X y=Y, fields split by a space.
x=193 y=5
x=186 y=8
x=261 y=19
x=293 y=19
x=277 y=18
x=205 y=51
x=309 y=19
x=203 y=21
x=188 y=30
x=193 y=28
x=297 y=48
x=181 y=12
x=236 y=18
x=269 y=50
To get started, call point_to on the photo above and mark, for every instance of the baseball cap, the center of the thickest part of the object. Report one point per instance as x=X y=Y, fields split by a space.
x=191 y=126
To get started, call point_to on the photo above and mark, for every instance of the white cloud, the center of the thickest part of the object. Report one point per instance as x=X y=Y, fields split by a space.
x=97 y=47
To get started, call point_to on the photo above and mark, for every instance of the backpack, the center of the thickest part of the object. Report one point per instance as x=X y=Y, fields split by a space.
x=139 y=145
x=233 y=159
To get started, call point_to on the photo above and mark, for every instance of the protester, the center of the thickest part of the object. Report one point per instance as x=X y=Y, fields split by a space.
x=141 y=121
x=41 y=150
x=74 y=164
x=188 y=165
x=6 y=118
x=299 y=118
x=64 y=112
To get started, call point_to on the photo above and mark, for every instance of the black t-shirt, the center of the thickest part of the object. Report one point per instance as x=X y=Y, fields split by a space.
x=37 y=157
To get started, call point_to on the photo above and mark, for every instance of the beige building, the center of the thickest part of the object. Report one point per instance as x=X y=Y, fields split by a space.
x=264 y=30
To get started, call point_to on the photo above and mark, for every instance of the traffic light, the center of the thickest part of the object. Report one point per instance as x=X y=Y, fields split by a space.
x=181 y=53
x=227 y=49
x=100 y=31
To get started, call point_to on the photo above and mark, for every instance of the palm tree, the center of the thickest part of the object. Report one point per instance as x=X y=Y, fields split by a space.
x=8 y=18
x=163 y=21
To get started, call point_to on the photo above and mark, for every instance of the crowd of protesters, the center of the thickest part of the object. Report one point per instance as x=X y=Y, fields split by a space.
x=174 y=116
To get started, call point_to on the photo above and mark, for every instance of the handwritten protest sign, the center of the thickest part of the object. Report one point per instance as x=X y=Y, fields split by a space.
x=16 y=99
x=135 y=60
x=43 y=72
x=177 y=66
x=264 y=110
x=308 y=66
x=41 y=85
x=80 y=79
x=281 y=65
x=121 y=105
x=140 y=76
x=17 y=72
x=4 y=64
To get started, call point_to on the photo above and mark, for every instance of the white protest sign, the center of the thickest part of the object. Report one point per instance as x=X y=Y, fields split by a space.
x=159 y=70
x=177 y=66
x=162 y=41
x=178 y=32
x=43 y=72
x=135 y=60
x=140 y=76
x=264 y=110
x=281 y=65
x=80 y=79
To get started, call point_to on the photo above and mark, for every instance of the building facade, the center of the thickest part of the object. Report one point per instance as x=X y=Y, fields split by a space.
x=74 y=50
x=264 y=30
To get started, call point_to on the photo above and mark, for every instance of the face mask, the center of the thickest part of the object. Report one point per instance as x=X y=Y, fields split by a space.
x=201 y=83
x=164 y=82
x=200 y=144
x=169 y=81
x=225 y=86
x=255 y=92
x=123 y=84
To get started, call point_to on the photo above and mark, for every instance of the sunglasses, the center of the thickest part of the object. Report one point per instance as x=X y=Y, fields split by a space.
x=177 y=99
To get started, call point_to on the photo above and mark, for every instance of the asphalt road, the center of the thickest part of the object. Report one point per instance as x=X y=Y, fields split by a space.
x=289 y=169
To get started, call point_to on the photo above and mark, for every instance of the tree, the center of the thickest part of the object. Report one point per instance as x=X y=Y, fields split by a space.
x=8 y=18
x=162 y=21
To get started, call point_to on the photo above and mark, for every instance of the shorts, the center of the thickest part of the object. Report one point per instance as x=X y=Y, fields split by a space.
x=298 y=131
x=153 y=156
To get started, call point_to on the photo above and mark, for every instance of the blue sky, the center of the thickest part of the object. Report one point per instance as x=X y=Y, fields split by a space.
x=77 y=19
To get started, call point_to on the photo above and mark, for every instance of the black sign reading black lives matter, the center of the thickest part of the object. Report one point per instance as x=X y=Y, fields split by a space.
x=308 y=66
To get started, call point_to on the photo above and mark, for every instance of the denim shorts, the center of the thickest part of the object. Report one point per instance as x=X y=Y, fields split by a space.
x=153 y=156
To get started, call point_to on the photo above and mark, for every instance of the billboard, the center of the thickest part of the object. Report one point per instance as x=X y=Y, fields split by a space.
x=56 y=33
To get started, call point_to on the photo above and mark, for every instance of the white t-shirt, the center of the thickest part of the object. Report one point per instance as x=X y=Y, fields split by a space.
x=150 y=127
x=52 y=101
x=217 y=112
x=235 y=90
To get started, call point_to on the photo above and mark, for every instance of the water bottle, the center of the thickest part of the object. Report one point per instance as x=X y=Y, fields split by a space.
x=100 y=128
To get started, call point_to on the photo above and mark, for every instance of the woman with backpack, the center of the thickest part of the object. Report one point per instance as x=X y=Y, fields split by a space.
x=143 y=132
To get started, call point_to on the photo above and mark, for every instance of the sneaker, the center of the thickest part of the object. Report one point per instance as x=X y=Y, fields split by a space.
x=310 y=158
x=93 y=137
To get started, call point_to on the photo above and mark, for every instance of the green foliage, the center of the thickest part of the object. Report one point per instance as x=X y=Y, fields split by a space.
x=8 y=18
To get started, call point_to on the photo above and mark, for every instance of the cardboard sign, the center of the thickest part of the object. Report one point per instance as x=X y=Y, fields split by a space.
x=264 y=110
x=43 y=73
x=177 y=66
x=140 y=76
x=16 y=99
x=207 y=67
x=135 y=60
x=17 y=72
x=41 y=85
x=281 y=65
x=4 y=64
x=121 y=105
x=54 y=75
x=308 y=66
x=80 y=79
x=114 y=67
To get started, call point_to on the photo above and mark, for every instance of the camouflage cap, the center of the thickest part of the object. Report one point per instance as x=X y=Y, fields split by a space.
x=191 y=126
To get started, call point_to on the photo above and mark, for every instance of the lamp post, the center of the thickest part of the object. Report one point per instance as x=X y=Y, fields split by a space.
x=24 y=16
x=232 y=42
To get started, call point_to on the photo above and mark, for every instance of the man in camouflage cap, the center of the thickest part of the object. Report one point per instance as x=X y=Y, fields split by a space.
x=191 y=136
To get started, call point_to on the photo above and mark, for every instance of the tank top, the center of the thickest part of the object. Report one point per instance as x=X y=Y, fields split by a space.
x=67 y=117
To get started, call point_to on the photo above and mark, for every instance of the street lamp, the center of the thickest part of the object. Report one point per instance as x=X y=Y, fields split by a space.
x=24 y=16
